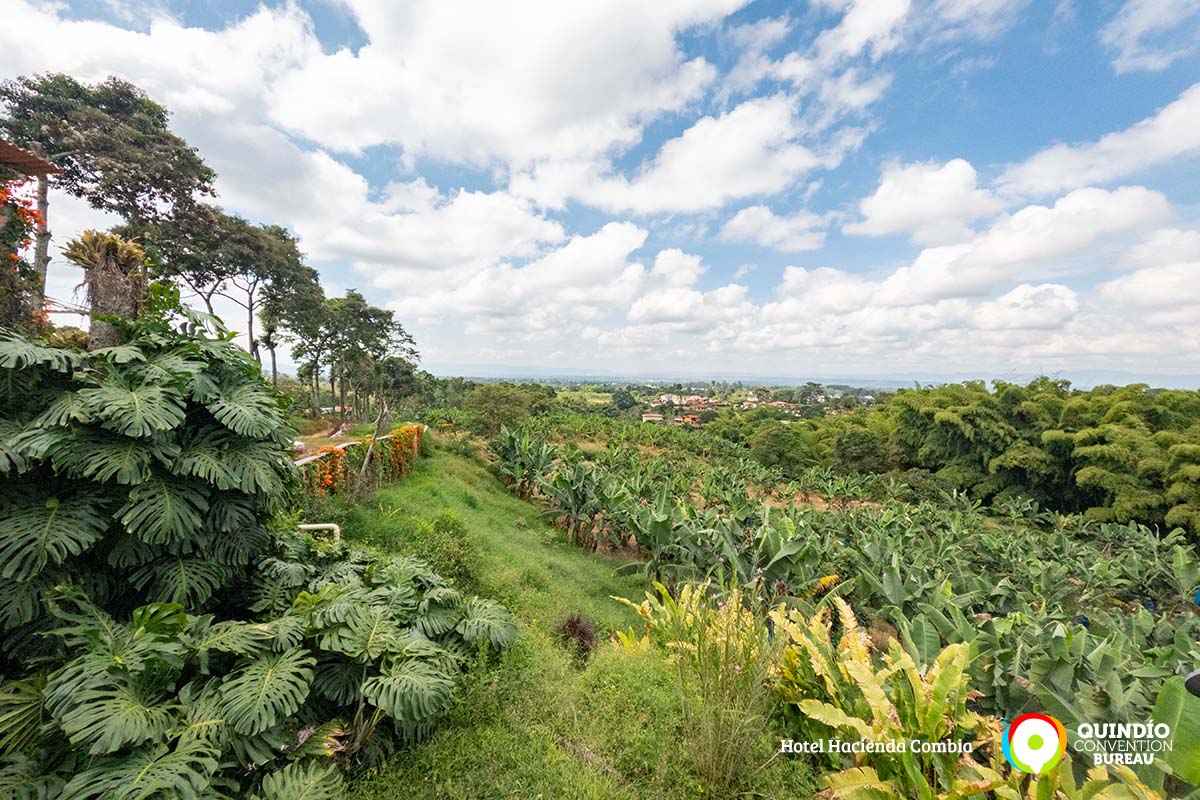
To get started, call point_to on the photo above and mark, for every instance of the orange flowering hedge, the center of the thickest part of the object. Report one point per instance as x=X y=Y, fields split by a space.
x=393 y=456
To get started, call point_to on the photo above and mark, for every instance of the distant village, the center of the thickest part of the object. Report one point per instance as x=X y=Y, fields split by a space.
x=693 y=410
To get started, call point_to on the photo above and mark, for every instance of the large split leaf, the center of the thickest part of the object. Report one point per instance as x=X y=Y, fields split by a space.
x=267 y=690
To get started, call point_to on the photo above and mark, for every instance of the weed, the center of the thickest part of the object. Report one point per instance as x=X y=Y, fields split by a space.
x=579 y=634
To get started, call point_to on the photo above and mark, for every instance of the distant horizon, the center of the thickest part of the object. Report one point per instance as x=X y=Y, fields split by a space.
x=1080 y=380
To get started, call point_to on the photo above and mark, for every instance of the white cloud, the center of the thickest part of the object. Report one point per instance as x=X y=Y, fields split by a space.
x=1035 y=240
x=1152 y=34
x=1044 y=307
x=932 y=203
x=751 y=150
x=1162 y=287
x=513 y=82
x=792 y=233
x=1171 y=133
x=979 y=18
x=580 y=280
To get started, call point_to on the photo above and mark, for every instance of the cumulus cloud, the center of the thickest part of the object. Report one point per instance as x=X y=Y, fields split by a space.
x=751 y=150
x=1028 y=243
x=1171 y=133
x=791 y=233
x=513 y=82
x=931 y=203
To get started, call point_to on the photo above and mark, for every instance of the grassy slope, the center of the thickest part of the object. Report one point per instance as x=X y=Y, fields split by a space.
x=540 y=724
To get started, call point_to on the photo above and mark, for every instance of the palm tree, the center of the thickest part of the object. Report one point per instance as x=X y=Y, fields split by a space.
x=115 y=279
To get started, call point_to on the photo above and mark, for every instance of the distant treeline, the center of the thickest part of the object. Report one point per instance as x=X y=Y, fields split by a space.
x=1114 y=453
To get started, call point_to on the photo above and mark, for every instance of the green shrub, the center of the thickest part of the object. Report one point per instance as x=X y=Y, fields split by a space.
x=442 y=540
x=158 y=637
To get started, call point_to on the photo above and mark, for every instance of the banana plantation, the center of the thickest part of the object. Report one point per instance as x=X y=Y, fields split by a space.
x=1008 y=609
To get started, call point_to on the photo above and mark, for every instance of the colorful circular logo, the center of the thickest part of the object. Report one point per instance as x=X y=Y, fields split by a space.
x=1034 y=743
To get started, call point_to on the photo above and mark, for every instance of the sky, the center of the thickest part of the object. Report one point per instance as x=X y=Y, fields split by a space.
x=889 y=189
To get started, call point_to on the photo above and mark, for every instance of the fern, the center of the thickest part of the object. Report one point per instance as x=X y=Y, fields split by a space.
x=267 y=690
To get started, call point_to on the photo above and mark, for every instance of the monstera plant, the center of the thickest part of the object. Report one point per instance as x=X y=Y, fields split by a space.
x=162 y=632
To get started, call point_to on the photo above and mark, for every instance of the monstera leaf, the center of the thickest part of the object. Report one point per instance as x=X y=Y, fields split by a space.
x=303 y=781
x=267 y=690
x=411 y=691
x=153 y=771
x=487 y=621
x=40 y=530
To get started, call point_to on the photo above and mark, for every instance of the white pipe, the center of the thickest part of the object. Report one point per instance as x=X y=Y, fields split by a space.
x=324 y=526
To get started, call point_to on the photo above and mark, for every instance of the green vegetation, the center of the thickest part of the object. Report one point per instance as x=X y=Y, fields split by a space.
x=1061 y=614
x=166 y=631
x=543 y=723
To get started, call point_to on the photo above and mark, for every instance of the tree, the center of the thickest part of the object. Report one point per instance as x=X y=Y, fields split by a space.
x=859 y=449
x=624 y=399
x=112 y=144
x=188 y=248
x=115 y=279
x=782 y=446
x=259 y=260
x=492 y=406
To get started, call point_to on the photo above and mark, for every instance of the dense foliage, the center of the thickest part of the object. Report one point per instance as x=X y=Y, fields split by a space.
x=1115 y=454
x=1083 y=619
x=161 y=637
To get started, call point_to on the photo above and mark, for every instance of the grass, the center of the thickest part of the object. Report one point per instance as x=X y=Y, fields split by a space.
x=540 y=723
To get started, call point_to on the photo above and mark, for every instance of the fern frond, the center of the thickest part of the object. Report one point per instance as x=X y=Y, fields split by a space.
x=267 y=690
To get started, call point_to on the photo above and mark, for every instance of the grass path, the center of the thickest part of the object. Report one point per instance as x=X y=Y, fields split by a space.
x=542 y=723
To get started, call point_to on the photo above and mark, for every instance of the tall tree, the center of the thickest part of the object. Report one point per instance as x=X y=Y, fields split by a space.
x=187 y=249
x=112 y=143
x=115 y=279
x=260 y=261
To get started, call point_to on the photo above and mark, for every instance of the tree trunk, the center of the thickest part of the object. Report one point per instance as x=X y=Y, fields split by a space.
x=41 y=252
x=250 y=330
x=274 y=371
x=113 y=293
